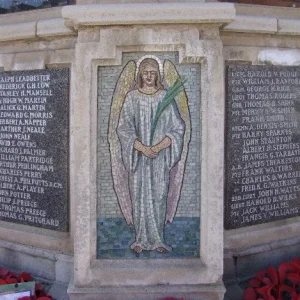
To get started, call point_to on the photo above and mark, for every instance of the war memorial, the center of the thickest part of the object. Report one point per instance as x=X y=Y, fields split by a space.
x=149 y=149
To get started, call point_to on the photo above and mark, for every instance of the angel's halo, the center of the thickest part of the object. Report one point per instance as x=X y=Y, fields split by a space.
x=160 y=64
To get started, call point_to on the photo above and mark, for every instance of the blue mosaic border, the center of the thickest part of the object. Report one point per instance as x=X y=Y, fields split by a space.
x=114 y=238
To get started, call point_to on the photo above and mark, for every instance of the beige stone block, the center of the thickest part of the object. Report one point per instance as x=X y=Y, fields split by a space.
x=281 y=57
x=241 y=54
x=262 y=234
x=44 y=263
x=252 y=24
x=35 y=237
x=267 y=11
x=263 y=40
x=6 y=61
x=53 y=27
x=45 y=44
x=60 y=57
x=289 y=26
x=199 y=292
x=63 y=268
x=35 y=261
x=59 y=291
x=18 y=31
x=34 y=29
x=158 y=13
x=158 y=37
x=29 y=61
x=195 y=44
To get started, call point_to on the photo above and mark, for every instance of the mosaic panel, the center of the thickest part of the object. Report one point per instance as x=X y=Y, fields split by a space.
x=148 y=157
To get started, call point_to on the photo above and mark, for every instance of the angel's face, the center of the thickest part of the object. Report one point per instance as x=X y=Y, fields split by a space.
x=149 y=75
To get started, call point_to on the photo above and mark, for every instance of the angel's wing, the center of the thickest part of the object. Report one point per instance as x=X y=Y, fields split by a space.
x=177 y=172
x=119 y=174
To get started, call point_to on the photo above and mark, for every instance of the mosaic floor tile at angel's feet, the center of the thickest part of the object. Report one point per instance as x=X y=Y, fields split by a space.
x=115 y=238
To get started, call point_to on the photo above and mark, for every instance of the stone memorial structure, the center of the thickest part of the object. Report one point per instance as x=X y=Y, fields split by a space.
x=142 y=190
x=34 y=148
x=160 y=155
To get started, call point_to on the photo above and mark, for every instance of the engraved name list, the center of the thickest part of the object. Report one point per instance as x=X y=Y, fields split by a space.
x=263 y=144
x=34 y=147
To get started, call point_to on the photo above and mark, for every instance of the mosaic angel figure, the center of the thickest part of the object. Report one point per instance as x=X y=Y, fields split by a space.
x=148 y=139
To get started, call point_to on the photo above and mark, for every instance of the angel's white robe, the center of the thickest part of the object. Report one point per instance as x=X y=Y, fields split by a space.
x=149 y=178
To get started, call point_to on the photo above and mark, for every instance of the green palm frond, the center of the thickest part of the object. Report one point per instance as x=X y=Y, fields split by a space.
x=168 y=99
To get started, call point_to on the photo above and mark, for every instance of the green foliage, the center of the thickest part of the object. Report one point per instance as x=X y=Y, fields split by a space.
x=169 y=99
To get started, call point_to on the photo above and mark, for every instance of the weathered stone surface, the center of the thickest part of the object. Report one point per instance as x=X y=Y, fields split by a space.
x=90 y=272
x=262 y=144
x=34 y=110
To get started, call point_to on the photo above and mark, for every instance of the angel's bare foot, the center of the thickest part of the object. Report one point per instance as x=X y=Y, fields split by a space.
x=138 y=249
x=161 y=249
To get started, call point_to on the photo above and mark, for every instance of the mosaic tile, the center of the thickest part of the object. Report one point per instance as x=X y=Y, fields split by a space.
x=182 y=235
x=136 y=181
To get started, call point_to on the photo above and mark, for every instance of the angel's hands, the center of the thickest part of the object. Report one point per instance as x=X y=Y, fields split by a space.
x=157 y=148
x=147 y=151
x=165 y=143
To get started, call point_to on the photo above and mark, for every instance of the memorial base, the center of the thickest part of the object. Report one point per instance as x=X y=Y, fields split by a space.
x=51 y=268
x=192 y=292
x=241 y=264
x=47 y=265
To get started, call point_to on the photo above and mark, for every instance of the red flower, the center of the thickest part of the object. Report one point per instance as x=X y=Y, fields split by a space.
x=3 y=273
x=11 y=280
x=265 y=284
x=171 y=298
x=276 y=285
x=250 y=294
x=7 y=277
x=296 y=263
x=25 y=277
x=284 y=269
x=12 y=275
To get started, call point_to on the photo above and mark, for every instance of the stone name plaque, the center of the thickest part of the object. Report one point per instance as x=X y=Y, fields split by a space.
x=263 y=144
x=34 y=110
